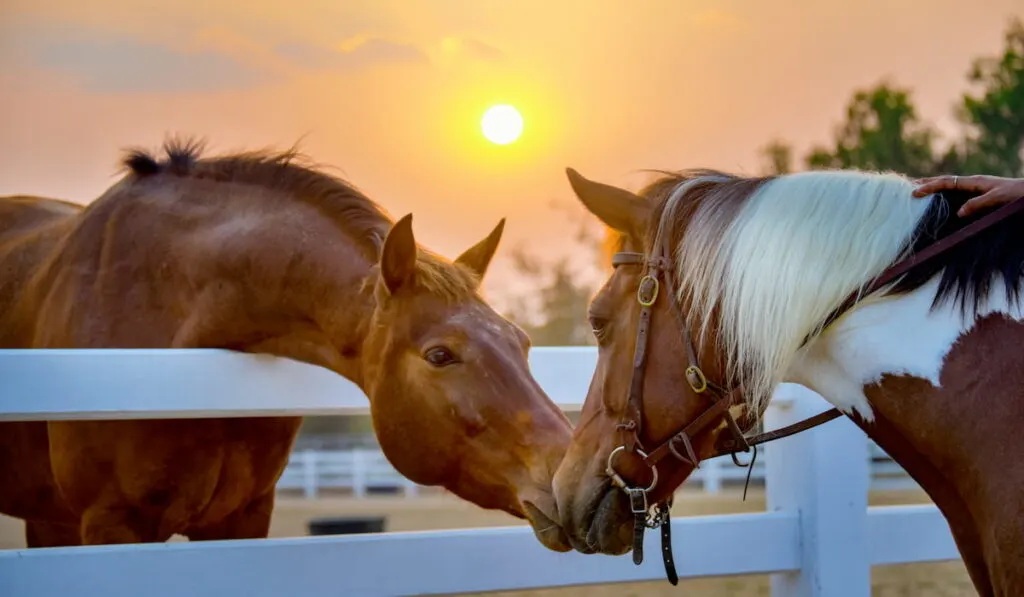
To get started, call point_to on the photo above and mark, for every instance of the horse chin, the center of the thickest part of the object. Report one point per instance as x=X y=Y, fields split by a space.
x=546 y=530
x=611 y=530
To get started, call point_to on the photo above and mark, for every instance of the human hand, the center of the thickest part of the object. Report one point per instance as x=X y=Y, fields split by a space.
x=996 y=190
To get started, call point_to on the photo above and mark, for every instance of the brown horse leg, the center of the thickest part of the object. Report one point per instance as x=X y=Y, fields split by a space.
x=51 y=534
x=104 y=524
x=250 y=522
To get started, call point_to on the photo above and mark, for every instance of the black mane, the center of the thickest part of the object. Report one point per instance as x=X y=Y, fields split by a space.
x=968 y=269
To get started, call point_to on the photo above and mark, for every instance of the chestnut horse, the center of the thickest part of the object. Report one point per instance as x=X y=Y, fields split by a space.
x=260 y=253
x=726 y=286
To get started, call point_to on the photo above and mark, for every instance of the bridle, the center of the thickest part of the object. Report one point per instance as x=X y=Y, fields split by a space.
x=659 y=272
x=680 y=444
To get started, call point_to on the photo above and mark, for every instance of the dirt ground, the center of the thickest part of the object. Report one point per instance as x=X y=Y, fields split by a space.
x=948 y=579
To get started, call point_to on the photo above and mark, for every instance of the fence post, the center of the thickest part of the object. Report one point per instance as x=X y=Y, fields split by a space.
x=310 y=473
x=359 y=472
x=823 y=473
x=712 y=476
x=410 y=488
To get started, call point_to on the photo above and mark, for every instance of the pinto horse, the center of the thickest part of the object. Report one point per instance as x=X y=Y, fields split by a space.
x=726 y=286
x=262 y=253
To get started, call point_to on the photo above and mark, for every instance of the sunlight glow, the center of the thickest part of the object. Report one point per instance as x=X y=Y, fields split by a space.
x=502 y=124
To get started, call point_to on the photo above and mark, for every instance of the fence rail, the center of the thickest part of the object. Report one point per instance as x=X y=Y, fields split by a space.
x=200 y=383
x=359 y=470
x=817 y=537
x=362 y=470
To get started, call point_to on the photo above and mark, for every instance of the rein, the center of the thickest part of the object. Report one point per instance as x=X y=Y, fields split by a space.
x=658 y=267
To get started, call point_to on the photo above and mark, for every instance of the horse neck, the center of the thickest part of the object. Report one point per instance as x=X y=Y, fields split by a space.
x=298 y=291
x=343 y=311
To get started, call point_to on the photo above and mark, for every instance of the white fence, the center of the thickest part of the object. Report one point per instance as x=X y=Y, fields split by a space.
x=361 y=470
x=818 y=537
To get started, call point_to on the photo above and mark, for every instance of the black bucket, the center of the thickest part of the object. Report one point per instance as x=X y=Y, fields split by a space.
x=351 y=525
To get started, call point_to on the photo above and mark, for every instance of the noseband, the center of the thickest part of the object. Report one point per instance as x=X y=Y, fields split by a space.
x=680 y=445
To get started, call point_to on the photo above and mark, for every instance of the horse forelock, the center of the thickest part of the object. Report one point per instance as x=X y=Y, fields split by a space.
x=440 y=277
x=761 y=261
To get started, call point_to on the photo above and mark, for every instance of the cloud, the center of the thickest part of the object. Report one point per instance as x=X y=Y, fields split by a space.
x=127 y=66
x=109 y=63
x=371 y=52
x=481 y=51
x=453 y=47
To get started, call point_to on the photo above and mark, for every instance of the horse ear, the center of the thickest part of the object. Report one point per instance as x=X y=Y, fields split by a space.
x=398 y=257
x=621 y=210
x=479 y=256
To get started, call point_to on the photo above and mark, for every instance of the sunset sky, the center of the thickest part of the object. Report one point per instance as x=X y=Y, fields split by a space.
x=391 y=92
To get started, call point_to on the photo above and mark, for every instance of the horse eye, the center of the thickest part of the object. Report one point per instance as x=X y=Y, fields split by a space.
x=597 y=325
x=439 y=356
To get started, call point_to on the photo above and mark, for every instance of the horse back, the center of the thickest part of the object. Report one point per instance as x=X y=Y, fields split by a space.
x=31 y=228
x=24 y=213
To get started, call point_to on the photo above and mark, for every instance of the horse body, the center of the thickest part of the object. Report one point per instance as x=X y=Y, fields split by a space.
x=943 y=397
x=257 y=253
x=928 y=366
x=30 y=229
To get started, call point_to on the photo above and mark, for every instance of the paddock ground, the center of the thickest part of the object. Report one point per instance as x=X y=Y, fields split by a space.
x=435 y=511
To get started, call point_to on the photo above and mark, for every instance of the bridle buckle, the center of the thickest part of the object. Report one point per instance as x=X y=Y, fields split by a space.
x=696 y=378
x=637 y=500
x=653 y=287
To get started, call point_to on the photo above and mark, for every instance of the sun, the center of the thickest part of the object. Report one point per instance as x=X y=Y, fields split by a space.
x=502 y=124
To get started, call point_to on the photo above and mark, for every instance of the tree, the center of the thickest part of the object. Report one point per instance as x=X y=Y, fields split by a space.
x=994 y=118
x=882 y=131
x=777 y=157
x=553 y=308
x=561 y=300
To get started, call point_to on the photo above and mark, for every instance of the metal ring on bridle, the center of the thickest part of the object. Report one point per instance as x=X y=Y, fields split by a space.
x=642 y=297
x=618 y=480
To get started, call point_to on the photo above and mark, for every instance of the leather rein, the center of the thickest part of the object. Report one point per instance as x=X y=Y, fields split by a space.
x=659 y=272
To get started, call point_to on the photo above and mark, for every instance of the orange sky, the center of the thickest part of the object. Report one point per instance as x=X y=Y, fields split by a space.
x=391 y=91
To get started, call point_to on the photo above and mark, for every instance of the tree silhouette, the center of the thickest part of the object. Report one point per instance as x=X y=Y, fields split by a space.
x=994 y=117
x=553 y=307
x=777 y=158
x=882 y=131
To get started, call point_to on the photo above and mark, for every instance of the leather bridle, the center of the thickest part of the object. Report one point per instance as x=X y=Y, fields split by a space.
x=658 y=273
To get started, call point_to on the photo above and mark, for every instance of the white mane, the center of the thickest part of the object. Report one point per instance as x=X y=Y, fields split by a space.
x=773 y=268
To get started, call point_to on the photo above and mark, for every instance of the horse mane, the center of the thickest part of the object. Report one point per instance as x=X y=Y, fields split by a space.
x=296 y=177
x=658 y=192
x=762 y=261
x=968 y=270
x=293 y=174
